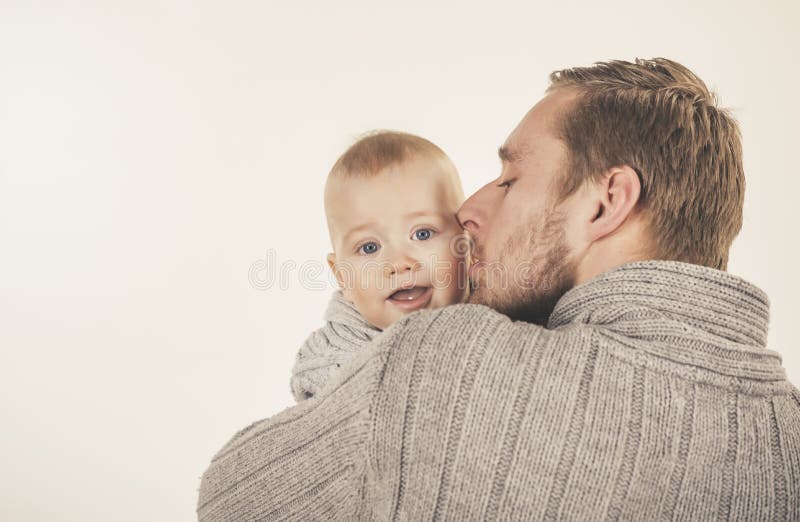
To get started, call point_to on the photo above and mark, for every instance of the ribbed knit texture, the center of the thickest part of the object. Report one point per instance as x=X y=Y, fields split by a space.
x=651 y=395
x=328 y=348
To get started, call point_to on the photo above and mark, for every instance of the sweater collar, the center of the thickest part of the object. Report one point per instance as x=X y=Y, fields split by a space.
x=722 y=305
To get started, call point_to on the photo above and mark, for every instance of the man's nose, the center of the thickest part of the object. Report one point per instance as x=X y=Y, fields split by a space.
x=473 y=214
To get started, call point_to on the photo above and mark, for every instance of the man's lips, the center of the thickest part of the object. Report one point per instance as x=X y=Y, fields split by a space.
x=411 y=298
x=473 y=269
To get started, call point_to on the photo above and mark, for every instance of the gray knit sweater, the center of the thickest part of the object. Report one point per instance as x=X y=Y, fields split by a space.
x=651 y=395
x=345 y=333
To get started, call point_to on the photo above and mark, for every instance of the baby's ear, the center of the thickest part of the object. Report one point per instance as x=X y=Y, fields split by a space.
x=340 y=275
x=332 y=265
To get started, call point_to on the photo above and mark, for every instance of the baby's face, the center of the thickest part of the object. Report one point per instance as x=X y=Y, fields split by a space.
x=399 y=247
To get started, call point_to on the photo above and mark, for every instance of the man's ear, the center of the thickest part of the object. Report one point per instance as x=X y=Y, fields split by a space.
x=616 y=197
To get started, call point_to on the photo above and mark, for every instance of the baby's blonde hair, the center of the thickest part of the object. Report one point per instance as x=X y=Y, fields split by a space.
x=379 y=149
x=375 y=151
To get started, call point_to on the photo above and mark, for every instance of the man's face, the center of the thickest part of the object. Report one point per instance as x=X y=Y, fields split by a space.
x=523 y=256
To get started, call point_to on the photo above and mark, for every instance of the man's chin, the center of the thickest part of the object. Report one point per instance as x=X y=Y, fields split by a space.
x=476 y=294
x=527 y=309
x=479 y=295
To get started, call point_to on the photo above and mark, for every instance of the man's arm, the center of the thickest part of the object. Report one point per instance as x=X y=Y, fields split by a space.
x=306 y=463
x=381 y=440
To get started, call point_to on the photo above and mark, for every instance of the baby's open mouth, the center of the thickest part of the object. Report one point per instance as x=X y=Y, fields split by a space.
x=412 y=298
x=409 y=294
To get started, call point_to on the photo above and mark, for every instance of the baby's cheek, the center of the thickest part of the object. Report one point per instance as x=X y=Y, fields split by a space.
x=369 y=304
x=450 y=255
x=450 y=283
x=449 y=295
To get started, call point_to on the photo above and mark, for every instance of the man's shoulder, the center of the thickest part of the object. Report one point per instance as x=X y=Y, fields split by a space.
x=457 y=319
x=463 y=314
x=434 y=347
x=458 y=325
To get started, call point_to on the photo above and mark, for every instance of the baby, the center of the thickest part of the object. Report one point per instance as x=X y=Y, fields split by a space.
x=390 y=202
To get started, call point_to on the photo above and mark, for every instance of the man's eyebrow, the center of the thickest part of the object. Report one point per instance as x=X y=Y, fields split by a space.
x=507 y=155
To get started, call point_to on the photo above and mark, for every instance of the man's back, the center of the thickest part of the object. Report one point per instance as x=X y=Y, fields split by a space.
x=650 y=395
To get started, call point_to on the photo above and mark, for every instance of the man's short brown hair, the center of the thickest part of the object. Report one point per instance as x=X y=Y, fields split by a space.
x=660 y=119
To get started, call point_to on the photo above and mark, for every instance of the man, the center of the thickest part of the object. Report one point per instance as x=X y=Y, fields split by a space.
x=637 y=384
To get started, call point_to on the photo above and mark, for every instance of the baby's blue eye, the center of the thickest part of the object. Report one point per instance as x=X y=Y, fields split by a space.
x=423 y=234
x=368 y=248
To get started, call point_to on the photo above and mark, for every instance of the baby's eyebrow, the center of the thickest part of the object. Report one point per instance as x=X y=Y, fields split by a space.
x=421 y=213
x=410 y=215
x=358 y=228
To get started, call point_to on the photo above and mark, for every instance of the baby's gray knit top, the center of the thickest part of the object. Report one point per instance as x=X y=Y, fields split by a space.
x=328 y=348
x=651 y=395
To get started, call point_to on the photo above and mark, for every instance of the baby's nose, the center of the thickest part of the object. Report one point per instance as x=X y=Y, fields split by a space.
x=402 y=263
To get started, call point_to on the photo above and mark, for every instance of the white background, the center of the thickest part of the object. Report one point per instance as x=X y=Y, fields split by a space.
x=152 y=152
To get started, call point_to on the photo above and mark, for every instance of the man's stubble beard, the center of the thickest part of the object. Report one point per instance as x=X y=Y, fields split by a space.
x=530 y=295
